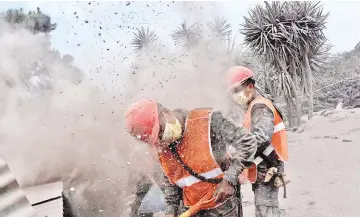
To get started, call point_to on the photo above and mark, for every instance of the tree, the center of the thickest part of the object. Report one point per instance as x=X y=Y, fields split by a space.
x=15 y=16
x=39 y=22
x=220 y=28
x=187 y=36
x=339 y=81
x=41 y=66
x=143 y=39
x=221 y=31
x=34 y=21
x=289 y=35
x=265 y=73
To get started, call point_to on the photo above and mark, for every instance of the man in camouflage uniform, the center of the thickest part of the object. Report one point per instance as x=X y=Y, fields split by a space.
x=223 y=133
x=262 y=126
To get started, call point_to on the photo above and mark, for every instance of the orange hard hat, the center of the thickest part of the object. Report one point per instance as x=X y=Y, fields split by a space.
x=141 y=120
x=237 y=75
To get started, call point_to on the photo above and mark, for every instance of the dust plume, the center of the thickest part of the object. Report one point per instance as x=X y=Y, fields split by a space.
x=71 y=131
x=59 y=125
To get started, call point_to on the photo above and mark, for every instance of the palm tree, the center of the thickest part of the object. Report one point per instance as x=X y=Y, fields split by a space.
x=289 y=35
x=143 y=39
x=220 y=28
x=221 y=31
x=267 y=79
x=187 y=36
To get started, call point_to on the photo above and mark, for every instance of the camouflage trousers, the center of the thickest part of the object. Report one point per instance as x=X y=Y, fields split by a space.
x=266 y=200
x=227 y=209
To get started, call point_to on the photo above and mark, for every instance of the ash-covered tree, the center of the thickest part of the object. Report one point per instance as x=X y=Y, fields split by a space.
x=265 y=73
x=220 y=28
x=187 y=36
x=221 y=32
x=34 y=21
x=143 y=39
x=41 y=66
x=290 y=36
x=339 y=81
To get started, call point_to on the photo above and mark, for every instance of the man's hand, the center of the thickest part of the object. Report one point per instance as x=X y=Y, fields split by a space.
x=224 y=191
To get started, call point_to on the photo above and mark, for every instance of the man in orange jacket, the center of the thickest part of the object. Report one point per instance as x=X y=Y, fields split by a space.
x=264 y=120
x=192 y=152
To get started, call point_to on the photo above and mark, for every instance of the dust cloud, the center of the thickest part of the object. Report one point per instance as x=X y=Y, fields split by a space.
x=60 y=126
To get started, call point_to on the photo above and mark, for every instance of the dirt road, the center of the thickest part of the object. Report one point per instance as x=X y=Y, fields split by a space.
x=324 y=168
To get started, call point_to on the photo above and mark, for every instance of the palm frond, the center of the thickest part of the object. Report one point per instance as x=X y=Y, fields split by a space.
x=319 y=55
x=143 y=38
x=283 y=32
x=186 y=35
x=291 y=25
x=220 y=29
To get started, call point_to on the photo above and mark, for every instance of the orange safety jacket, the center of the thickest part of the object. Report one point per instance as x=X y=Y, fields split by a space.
x=195 y=151
x=279 y=140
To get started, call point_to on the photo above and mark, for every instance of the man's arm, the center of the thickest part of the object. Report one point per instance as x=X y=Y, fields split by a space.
x=173 y=195
x=262 y=125
x=244 y=142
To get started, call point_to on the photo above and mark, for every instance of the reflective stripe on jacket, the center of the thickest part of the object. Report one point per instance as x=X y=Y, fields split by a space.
x=195 y=150
x=279 y=139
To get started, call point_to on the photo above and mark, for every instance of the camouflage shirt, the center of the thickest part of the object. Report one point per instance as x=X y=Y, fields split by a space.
x=224 y=133
x=262 y=126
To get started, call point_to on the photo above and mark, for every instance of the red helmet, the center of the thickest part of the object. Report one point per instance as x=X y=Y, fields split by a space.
x=141 y=120
x=237 y=75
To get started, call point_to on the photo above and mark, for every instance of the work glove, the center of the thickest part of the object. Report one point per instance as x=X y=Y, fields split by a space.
x=277 y=180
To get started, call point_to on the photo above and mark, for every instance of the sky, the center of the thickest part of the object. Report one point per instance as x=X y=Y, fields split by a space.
x=99 y=33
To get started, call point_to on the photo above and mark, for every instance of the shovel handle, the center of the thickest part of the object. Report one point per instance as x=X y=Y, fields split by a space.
x=186 y=214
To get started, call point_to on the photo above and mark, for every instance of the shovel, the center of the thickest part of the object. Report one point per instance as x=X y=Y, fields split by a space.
x=206 y=202
x=153 y=201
